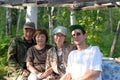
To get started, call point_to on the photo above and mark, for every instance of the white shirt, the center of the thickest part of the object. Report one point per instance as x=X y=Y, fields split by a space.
x=80 y=62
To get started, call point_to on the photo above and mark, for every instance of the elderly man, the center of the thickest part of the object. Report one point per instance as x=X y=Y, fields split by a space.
x=17 y=51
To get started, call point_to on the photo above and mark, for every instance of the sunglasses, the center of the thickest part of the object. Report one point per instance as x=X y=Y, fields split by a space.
x=76 y=34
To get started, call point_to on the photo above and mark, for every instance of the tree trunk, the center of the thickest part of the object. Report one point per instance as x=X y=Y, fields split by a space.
x=115 y=40
x=110 y=20
x=31 y=15
x=51 y=23
x=72 y=18
x=8 y=22
x=18 y=22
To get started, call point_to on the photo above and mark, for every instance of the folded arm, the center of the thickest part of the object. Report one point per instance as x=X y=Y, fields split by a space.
x=31 y=68
x=47 y=73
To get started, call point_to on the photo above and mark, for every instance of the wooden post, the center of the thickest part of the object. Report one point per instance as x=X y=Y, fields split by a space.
x=72 y=20
x=31 y=15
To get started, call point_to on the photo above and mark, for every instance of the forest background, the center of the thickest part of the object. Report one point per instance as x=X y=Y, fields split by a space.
x=100 y=25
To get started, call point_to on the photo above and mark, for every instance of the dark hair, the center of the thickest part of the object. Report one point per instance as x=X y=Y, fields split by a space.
x=41 y=31
x=73 y=27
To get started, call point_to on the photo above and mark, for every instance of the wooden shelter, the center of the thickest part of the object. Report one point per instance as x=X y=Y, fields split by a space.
x=74 y=4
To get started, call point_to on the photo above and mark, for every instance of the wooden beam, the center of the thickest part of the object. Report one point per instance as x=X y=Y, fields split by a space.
x=89 y=6
x=71 y=4
x=97 y=7
x=76 y=5
x=48 y=5
x=10 y=6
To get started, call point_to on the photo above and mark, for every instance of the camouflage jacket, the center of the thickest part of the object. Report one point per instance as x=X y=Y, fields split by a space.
x=16 y=56
x=52 y=58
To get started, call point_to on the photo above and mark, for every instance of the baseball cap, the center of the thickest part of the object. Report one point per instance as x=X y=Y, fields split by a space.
x=77 y=26
x=30 y=25
x=60 y=29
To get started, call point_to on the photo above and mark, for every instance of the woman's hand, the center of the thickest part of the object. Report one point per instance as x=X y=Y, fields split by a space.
x=46 y=73
x=66 y=77
x=39 y=75
x=25 y=73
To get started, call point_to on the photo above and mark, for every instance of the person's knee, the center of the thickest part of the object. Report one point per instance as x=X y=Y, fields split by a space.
x=32 y=77
x=20 y=77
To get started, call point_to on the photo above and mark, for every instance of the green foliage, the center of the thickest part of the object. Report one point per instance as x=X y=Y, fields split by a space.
x=96 y=23
x=63 y=17
x=2 y=21
x=4 y=42
x=15 y=13
x=43 y=18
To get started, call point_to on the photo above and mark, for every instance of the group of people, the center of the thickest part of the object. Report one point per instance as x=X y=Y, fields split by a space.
x=31 y=58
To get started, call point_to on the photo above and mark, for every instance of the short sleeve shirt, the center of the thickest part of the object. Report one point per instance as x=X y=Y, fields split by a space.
x=80 y=62
x=37 y=57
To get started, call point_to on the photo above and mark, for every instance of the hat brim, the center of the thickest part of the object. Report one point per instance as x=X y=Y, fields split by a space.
x=73 y=27
x=28 y=27
x=60 y=33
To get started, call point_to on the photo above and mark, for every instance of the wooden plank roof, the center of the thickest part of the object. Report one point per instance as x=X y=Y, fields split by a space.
x=74 y=4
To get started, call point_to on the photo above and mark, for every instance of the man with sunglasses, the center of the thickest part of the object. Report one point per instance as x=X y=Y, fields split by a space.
x=85 y=62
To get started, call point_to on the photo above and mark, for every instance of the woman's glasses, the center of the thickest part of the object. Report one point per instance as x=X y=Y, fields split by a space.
x=76 y=34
